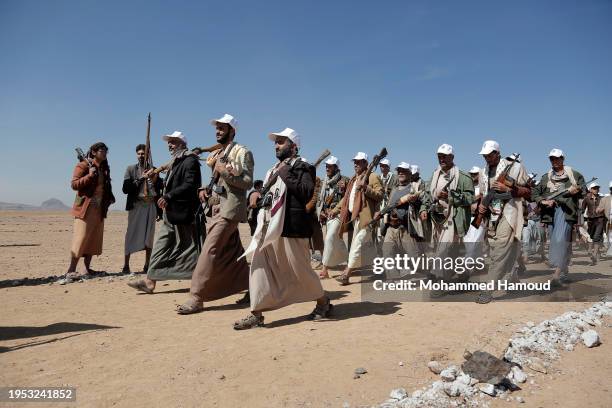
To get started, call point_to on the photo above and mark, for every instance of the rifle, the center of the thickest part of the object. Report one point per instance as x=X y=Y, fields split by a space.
x=311 y=204
x=564 y=190
x=437 y=216
x=491 y=195
x=82 y=156
x=148 y=158
x=373 y=164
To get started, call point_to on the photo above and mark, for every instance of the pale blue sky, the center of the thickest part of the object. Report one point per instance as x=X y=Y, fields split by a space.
x=347 y=75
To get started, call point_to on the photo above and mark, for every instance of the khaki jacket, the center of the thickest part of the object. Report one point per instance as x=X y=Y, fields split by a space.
x=366 y=202
x=604 y=205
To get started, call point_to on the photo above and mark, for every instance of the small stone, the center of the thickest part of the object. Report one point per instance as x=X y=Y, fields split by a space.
x=590 y=338
x=486 y=388
x=464 y=379
x=537 y=364
x=451 y=389
x=221 y=377
x=518 y=375
x=356 y=376
x=530 y=324
x=65 y=291
x=569 y=347
x=435 y=367
x=466 y=355
x=401 y=363
x=346 y=405
x=449 y=374
x=520 y=400
x=398 y=394
x=360 y=371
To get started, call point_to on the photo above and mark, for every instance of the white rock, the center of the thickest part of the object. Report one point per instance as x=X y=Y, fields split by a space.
x=518 y=376
x=520 y=400
x=590 y=338
x=449 y=374
x=486 y=388
x=530 y=324
x=451 y=389
x=435 y=367
x=464 y=378
x=398 y=394
x=417 y=394
x=401 y=363
x=569 y=347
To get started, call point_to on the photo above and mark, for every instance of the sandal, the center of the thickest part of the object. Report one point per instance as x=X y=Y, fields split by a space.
x=343 y=279
x=323 y=275
x=484 y=298
x=249 y=322
x=141 y=286
x=321 y=311
x=190 y=307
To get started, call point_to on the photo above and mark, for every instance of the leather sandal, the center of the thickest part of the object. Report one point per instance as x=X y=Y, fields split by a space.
x=190 y=307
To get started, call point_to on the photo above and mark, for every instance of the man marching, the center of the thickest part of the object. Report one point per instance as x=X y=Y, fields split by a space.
x=507 y=178
x=361 y=200
x=559 y=212
x=332 y=190
x=596 y=222
x=218 y=272
x=452 y=194
x=280 y=272
x=175 y=252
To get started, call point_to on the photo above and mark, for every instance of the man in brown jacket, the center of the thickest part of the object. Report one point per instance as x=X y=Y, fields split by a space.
x=361 y=200
x=218 y=272
x=91 y=181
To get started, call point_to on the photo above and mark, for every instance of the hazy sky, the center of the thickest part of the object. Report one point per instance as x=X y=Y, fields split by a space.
x=348 y=75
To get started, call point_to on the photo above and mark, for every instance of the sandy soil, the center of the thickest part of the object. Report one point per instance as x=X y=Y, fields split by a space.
x=120 y=348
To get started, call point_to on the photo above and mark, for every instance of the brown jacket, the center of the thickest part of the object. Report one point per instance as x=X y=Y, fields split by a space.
x=366 y=203
x=85 y=186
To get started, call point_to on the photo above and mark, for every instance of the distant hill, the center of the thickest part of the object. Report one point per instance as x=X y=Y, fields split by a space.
x=52 y=204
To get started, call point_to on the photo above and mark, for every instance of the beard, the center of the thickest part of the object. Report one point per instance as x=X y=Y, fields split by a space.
x=283 y=153
x=223 y=139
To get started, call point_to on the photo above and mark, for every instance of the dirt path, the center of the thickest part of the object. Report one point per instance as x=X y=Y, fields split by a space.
x=140 y=353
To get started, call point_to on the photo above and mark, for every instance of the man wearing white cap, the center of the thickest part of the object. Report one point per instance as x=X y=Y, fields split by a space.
x=417 y=182
x=175 y=251
x=474 y=238
x=388 y=179
x=280 y=272
x=506 y=180
x=405 y=233
x=332 y=190
x=595 y=221
x=605 y=208
x=219 y=273
x=452 y=194
x=361 y=200
x=559 y=213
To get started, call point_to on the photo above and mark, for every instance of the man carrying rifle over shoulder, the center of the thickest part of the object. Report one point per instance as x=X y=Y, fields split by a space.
x=218 y=272
x=175 y=252
x=503 y=185
x=557 y=195
x=361 y=200
x=407 y=209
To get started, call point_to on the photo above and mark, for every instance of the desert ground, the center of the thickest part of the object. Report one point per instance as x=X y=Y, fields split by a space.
x=120 y=348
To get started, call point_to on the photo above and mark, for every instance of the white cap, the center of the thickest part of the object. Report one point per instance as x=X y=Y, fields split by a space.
x=332 y=160
x=489 y=146
x=594 y=184
x=288 y=133
x=445 y=149
x=414 y=168
x=385 y=162
x=227 y=118
x=474 y=169
x=556 y=153
x=176 y=135
x=404 y=165
x=360 y=156
x=530 y=175
x=610 y=184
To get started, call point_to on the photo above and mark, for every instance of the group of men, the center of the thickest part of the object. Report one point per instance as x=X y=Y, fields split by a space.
x=198 y=236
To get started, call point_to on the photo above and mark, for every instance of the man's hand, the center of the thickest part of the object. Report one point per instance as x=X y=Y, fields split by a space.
x=93 y=171
x=162 y=203
x=322 y=217
x=423 y=215
x=377 y=215
x=548 y=203
x=482 y=209
x=501 y=187
x=443 y=195
x=360 y=185
x=203 y=195
x=573 y=190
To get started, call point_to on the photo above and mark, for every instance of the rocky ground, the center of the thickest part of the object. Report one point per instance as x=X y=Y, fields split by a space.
x=120 y=348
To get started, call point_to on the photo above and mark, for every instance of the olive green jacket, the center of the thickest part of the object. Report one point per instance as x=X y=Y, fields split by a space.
x=568 y=203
